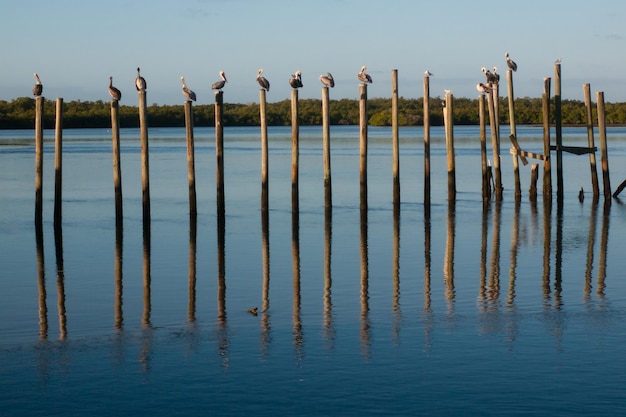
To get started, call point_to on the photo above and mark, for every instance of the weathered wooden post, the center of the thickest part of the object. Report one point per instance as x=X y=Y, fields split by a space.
x=426 y=142
x=145 y=160
x=191 y=159
x=591 y=141
x=326 y=147
x=547 y=170
x=219 y=153
x=117 y=165
x=448 y=120
x=39 y=101
x=363 y=140
x=486 y=183
x=58 y=164
x=606 y=181
x=534 y=176
x=518 y=186
x=558 y=131
x=264 y=151
x=395 y=148
x=295 y=151
x=495 y=145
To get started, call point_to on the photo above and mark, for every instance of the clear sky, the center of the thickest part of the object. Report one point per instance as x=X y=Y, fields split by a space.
x=75 y=45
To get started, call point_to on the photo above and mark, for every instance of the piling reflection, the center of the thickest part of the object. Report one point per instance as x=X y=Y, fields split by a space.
x=41 y=282
x=547 y=245
x=427 y=316
x=223 y=342
x=118 y=275
x=448 y=262
x=58 y=246
x=145 y=318
x=604 y=243
x=298 y=334
x=395 y=274
x=265 y=316
x=191 y=304
x=365 y=321
x=514 y=250
x=329 y=330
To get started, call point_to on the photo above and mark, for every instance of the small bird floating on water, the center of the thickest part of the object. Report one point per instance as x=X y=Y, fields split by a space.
x=581 y=195
x=254 y=311
x=262 y=80
x=327 y=80
x=115 y=93
x=364 y=76
x=510 y=63
x=189 y=94
x=38 y=88
x=140 y=82
x=218 y=85
x=296 y=80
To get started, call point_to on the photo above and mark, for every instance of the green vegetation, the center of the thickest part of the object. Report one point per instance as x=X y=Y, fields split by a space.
x=19 y=113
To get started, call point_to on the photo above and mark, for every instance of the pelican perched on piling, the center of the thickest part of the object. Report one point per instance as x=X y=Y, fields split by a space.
x=364 y=76
x=262 y=80
x=510 y=63
x=428 y=73
x=191 y=96
x=296 y=80
x=488 y=75
x=38 y=88
x=495 y=75
x=140 y=82
x=327 y=80
x=218 y=85
x=482 y=88
x=115 y=93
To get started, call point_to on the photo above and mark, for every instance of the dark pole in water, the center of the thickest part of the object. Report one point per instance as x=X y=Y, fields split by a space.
x=486 y=184
x=448 y=120
x=264 y=151
x=518 y=186
x=495 y=145
x=58 y=164
x=395 y=148
x=603 y=145
x=558 y=131
x=39 y=101
x=145 y=161
x=326 y=147
x=219 y=154
x=547 y=171
x=427 y=143
x=363 y=141
x=591 y=141
x=295 y=151
x=191 y=160
x=117 y=165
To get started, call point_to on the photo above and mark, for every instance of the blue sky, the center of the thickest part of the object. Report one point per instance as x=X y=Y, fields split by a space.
x=76 y=45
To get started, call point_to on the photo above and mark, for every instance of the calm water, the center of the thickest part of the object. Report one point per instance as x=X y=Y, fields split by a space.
x=510 y=310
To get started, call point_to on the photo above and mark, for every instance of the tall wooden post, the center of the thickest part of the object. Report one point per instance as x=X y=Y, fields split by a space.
x=145 y=162
x=363 y=141
x=395 y=148
x=486 y=183
x=326 y=147
x=427 y=142
x=191 y=160
x=448 y=120
x=58 y=164
x=117 y=165
x=591 y=141
x=39 y=101
x=219 y=154
x=547 y=170
x=495 y=145
x=518 y=186
x=295 y=151
x=603 y=146
x=264 y=152
x=558 y=131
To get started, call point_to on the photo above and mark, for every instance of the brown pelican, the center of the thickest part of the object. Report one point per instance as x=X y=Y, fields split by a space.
x=427 y=73
x=488 y=75
x=558 y=61
x=482 y=88
x=496 y=76
x=363 y=76
x=140 y=82
x=511 y=64
x=327 y=80
x=191 y=96
x=262 y=81
x=115 y=93
x=296 y=80
x=38 y=88
x=218 y=85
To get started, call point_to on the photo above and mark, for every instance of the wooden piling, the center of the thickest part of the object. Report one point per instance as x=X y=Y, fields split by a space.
x=513 y=127
x=591 y=141
x=547 y=170
x=117 y=165
x=363 y=139
x=145 y=161
x=395 y=148
x=534 y=176
x=264 y=151
x=558 y=131
x=326 y=147
x=295 y=151
x=495 y=146
x=58 y=164
x=426 y=143
x=39 y=101
x=603 y=146
x=219 y=152
x=448 y=121
x=486 y=184
x=191 y=160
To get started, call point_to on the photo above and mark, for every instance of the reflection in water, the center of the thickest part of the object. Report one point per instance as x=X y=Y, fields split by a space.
x=145 y=320
x=590 y=247
x=265 y=317
x=222 y=324
x=395 y=273
x=193 y=229
x=604 y=242
x=482 y=296
x=41 y=282
x=493 y=284
x=513 y=261
x=329 y=331
x=547 y=243
x=298 y=336
x=448 y=262
x=119 y=286
x=558 y=256
x=365 y=322
x=427 y=315
x=58 y=245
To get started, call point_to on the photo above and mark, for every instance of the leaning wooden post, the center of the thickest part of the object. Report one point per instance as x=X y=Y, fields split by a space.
x=39 y=101
x=495 y=145
x=191 y=160
x=295 y=151
x=395 y=149
x=547 y=171
x=427 y=142
x=486 y=185
x=558 y=131
x=145 y=162
x=591 y=141
x=326 y=148
x=363 y=141
x=117 y=166
x=518 y=186
x=264 y=156
x=58 y=164
x=219 y=154
x=448 y=121
x=603 y=145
